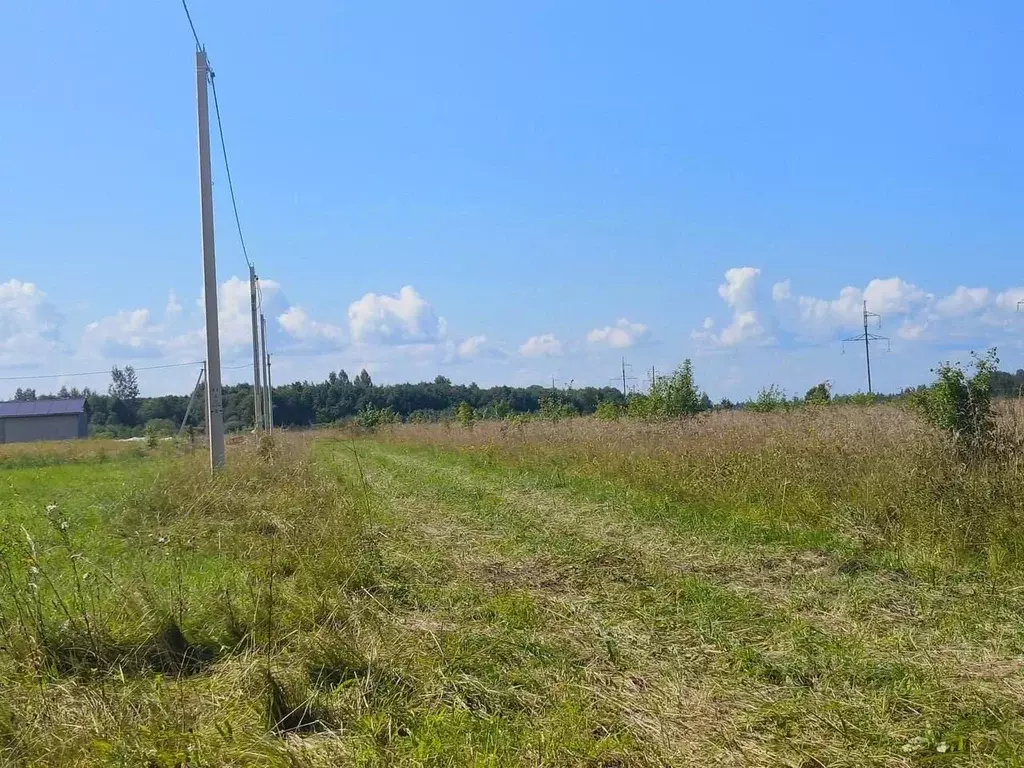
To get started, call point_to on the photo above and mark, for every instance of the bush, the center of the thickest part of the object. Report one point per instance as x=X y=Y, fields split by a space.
x=819 y=394
x=608 y=410
x=465 y=415
x=670 y=397
x=557 y=407
x=961 y=405
x=372 y=417
x=770 y=398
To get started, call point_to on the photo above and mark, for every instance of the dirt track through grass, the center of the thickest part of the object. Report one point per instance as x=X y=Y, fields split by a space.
x=698 y=644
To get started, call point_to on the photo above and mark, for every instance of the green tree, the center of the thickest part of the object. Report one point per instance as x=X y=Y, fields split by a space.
x=465 y=415
x=770 y=398
x=24 y=395
x=819 y=394
x=676 y=395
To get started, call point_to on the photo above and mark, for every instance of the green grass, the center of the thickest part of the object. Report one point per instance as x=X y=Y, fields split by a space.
x=367 y=602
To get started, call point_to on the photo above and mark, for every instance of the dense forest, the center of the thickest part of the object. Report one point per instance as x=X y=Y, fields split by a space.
x=122 y=412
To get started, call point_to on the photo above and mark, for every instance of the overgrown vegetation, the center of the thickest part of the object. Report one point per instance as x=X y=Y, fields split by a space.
x=813 y=586
x=961 y=405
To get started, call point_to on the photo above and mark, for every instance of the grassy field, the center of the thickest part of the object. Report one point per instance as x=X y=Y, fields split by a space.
x=820 y=588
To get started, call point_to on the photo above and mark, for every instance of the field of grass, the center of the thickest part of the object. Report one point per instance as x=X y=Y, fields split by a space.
x=821 y=588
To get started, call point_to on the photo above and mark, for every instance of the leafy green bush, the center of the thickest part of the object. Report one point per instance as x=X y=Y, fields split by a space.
x=770 y=398
x=608 y=410
x=372 y=417
x=670 y=397
x=961 y=405
x=556 y=407
x=465 y=415
x=819 y=394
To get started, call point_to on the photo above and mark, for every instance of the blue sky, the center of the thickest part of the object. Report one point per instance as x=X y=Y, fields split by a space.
x=507 y=192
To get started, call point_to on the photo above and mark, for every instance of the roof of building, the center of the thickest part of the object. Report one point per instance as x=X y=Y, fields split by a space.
x=16 y=408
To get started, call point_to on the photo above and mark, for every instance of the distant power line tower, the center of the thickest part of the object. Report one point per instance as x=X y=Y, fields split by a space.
x=626 y=367
x=867 y=338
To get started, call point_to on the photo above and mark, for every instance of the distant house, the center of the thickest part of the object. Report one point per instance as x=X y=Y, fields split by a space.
x=29 y=421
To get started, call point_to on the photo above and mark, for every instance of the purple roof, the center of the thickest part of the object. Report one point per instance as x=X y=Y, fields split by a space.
x=16 y=408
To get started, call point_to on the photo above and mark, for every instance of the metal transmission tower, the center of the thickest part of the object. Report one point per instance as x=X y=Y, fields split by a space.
x=214 y=401
x=867 y=338
x=624 y=377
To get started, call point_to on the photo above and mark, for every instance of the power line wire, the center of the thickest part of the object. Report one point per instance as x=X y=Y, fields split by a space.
x=107 y=372
x=227 y=167
x=199 y=46
x=220 y=132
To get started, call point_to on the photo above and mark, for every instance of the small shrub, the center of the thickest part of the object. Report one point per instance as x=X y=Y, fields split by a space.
x=555 y=408
x=465 y=415
x=961 y=405
x=608 y=410
x=819 y=394
x=670 y=397
x=372 y=417
x=769 y=399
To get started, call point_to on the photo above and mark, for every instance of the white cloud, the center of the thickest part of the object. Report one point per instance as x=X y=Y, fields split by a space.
x=739 y=293
x=619 y=336
x=545 y=345
x=173 y=308
x=738 y=288
x=963 y=301
x=471 y=347
x=129 y=333
x=405 y=318
x=815 y=317
x=296 y=323
x=29 y=323
x=1009 y=299
x=781 y=291
x=234 y=314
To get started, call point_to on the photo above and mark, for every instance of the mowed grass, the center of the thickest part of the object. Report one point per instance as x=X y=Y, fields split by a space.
x=740 y=591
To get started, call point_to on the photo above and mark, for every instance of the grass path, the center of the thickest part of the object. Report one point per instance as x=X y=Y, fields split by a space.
x=678 y=638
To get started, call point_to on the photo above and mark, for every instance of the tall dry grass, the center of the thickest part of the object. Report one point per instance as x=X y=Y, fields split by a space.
x=878 y=478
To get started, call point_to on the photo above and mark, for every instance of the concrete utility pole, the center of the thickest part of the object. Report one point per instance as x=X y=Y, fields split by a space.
x=257 y=393
x=270 y=399
x=867 y=338
x=214 y=401
x=266 y=367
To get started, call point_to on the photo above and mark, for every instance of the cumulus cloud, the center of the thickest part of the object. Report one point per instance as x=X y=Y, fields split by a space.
x=234 y=310
x=406 y=318
x=299 y=325
x=471 y=347
x=963 y=301
x=782 y=290
x=619 y=336
x=545 y=345
x=29 y=323
x=128 y=333
x=739 y=291
x=816 y=317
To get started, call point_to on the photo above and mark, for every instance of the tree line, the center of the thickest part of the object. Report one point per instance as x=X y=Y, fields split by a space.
x=122 y=412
